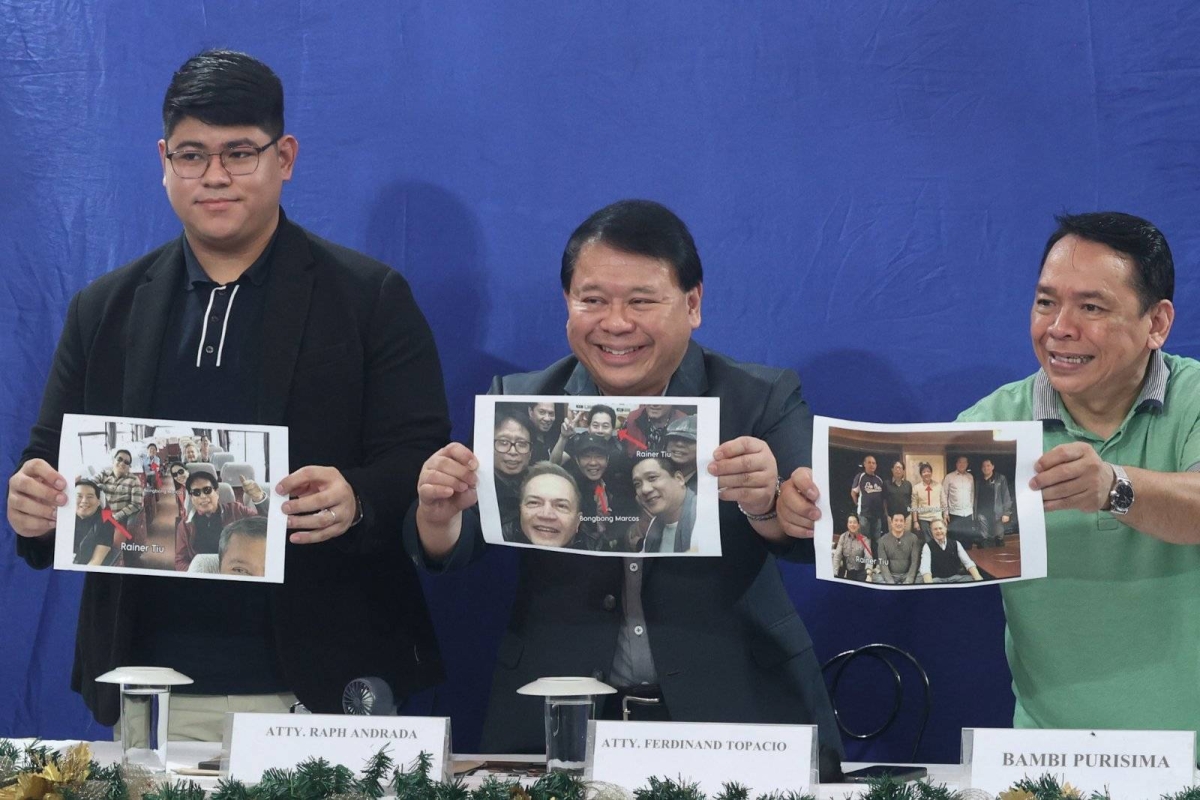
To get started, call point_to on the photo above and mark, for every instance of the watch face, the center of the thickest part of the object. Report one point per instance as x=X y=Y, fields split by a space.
x=1122 y=495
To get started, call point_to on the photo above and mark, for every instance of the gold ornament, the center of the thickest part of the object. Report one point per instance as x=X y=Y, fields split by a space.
x=71 y=769
x=1016 y=794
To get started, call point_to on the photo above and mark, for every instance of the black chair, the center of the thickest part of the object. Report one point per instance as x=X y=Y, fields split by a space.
x=883 y=653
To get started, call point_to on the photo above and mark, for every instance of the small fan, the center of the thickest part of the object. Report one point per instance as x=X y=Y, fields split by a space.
x=368 y=697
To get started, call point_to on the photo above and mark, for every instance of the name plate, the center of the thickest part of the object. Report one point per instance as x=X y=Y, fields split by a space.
x=764 y=758
x=1132 y=764
x=258 y=742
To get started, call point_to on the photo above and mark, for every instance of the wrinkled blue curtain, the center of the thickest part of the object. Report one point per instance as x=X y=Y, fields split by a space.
x=870 y=184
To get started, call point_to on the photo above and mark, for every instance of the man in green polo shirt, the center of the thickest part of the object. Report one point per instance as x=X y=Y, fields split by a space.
x=1111 y=638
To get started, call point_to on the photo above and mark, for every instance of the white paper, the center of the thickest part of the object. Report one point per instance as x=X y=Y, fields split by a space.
x=840 y=448
x=258 y=742
x=763 y=758
x=89 y=446
x=630 y=526
x=1129 y=764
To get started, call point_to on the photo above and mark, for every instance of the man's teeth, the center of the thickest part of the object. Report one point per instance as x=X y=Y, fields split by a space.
x=1072 y=359
x=614 y=352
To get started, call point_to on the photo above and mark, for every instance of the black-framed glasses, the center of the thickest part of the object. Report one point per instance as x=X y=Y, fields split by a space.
x=124 y=461
x=242 y=159
x=179 y=473
x=202 y=491
x=508 y=445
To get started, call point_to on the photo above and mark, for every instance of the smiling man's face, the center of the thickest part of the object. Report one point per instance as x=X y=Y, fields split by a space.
x=628 y=320
x=660 y=491
x=549 y=511
x=1087 y=325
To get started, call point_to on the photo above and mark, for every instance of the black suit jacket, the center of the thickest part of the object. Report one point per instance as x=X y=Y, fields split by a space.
x=727 y=642
x=349 y=365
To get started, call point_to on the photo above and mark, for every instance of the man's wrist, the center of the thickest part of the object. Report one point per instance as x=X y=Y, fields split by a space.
x=772 y=510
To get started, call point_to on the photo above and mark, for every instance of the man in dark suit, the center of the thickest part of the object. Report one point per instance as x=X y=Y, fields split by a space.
x=712 y=639
x=269 y=324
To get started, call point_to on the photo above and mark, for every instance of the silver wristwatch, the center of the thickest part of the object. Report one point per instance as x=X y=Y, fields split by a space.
x=1120 y=496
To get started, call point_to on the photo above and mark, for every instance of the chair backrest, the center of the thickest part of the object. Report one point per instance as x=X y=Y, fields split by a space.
x=889 y=656
x=220 y=459
x=234 y=472
x=225 y=492
x=200 y=466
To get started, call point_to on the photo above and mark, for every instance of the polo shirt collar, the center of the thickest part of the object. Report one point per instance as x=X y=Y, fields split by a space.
x=257 y=274
x=1154 y=391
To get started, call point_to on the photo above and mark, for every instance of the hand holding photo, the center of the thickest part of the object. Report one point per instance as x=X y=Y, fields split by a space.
x=598 y=475
x=171 y=498
x=927 y=505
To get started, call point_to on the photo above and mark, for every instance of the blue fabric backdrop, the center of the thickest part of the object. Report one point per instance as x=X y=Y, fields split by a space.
x=870 y=184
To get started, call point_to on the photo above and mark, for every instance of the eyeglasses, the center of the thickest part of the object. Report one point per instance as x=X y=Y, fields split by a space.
x=508 y=445
x=239 y=160
x=202 y=491
x=124 y=461
x=178 y=473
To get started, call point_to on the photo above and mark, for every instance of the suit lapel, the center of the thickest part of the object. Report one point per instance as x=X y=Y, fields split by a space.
x=149 y=316
x=289 y=291
x=580 y=382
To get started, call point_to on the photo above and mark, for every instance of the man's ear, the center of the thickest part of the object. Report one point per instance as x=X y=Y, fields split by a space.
x=1162 y=317
x=162 y=158
x=694 y=298
x=289 y=148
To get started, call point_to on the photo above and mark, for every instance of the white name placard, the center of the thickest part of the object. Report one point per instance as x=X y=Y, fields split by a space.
x=764 y=758
x=1132 y=764
x=258 y=742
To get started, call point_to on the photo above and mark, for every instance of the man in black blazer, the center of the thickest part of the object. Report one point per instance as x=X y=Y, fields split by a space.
x=711 y=639
x=249 y=318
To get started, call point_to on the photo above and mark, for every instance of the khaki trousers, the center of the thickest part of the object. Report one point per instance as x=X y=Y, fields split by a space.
x=201 y=717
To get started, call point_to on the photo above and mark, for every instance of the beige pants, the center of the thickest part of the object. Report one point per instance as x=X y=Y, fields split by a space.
x=201 y=717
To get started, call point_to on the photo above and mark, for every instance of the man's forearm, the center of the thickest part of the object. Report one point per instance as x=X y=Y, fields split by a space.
x=1167 y=505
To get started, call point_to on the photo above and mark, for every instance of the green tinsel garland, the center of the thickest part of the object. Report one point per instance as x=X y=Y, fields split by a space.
x=317 y=779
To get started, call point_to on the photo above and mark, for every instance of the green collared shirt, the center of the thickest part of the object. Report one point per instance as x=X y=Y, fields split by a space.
x=1111 y=638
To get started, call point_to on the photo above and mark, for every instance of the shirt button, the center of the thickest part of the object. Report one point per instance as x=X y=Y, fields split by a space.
x=214 y=318
x=610 y=602
x=633 y=567
x=638 y=630
x=208 y=349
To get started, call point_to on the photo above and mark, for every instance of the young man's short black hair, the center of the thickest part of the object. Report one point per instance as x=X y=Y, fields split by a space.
x=642 y=228
x=1139 y=239
x=226 y=89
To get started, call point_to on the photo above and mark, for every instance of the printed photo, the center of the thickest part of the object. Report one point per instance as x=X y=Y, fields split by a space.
x=165 y=497
x=599 y=475
x=928 y=505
